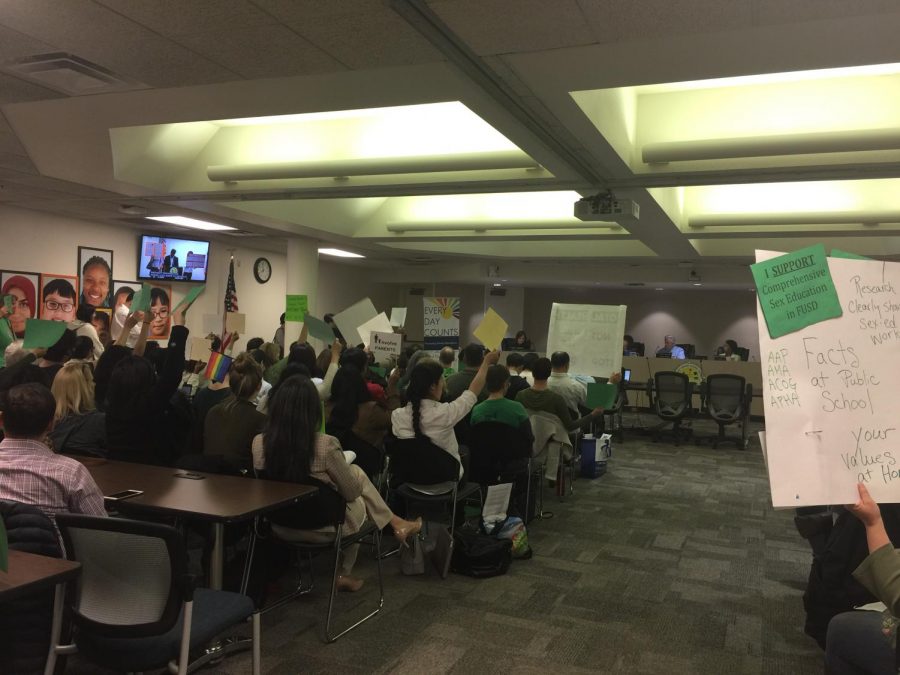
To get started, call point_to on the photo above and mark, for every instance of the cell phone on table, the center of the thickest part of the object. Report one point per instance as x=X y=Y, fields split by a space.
x=124 y=494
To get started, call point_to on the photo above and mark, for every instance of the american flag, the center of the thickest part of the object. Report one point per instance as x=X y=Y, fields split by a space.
x=231 y=300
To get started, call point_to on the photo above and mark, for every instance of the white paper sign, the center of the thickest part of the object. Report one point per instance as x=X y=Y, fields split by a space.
x=591 y=334
x=377 y=324
x=352 y=318
x=398 y=317
x=829 y=392
x=385 y=346
x=199 y=348
x=235 y=322
x=212 y=323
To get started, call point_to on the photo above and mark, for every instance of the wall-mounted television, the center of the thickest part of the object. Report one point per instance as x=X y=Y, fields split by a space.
x=171 y=259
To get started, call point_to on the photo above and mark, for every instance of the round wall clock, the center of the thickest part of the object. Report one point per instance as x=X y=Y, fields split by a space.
x=262 y=270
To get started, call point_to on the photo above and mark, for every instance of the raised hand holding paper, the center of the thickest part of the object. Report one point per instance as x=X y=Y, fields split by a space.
x=491 y=330
x=795 y=290
x=377 y=324
x=318 y=329
x=296 y=307
x=601 y=395
x=188 y=299
x=141 y=300
x=41 y=333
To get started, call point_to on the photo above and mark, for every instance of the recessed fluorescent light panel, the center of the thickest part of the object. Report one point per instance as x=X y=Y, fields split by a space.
x=339 y=253
x=192 y=223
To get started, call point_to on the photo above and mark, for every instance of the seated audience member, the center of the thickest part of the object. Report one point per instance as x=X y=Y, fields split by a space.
x=522 y=343
x=353 y=408
x=359 y=359
x=497 y=407
x=138 y=404
x=231 y=426
x=729 y=351
x=447 y=359
x=262 y=359
x=100 y=322
x=120 y=323
x=472 y=357
x=32 y=473
x=79 y=429
x=670 y=349
x=103 y=372
x=526 y=374
x=15 y=352
x=57 y=355
x=278 y=338
x=426 y=417
x=628 y=346
x=864 y=641
x=515 y=362
x=303 y=354
x=540 y=397
x=190 y=378
x=413 y=359
x=292 y=449
x=203 y=401
x=573 y=391
x=254 y=343
x=83 y=327
x=83 y=351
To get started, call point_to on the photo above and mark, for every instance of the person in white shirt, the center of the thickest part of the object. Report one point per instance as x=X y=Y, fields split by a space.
x=425 y=415
x=118 y=323
x=671 y=348
x=573 y=392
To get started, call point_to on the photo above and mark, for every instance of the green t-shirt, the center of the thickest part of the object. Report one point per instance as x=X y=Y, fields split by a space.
x=448 y=372
x=499 y=410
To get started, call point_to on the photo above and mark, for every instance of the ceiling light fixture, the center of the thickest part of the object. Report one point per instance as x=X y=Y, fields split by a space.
x=872 y=218
x=339 y=253
x=372 y=166
x=400 y=228
x=193 y=223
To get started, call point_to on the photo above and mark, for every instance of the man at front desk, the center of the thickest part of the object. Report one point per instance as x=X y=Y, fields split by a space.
x=670 y=349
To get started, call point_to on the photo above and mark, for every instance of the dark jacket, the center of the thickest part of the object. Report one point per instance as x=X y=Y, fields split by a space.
x=80 y=435
x=25 y=623
x=517 y=383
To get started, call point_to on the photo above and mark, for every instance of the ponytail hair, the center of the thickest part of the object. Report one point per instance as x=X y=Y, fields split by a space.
x=425 y=374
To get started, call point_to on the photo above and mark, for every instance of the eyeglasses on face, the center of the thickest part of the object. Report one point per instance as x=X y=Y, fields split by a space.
x=162 y=313
x=53 y=306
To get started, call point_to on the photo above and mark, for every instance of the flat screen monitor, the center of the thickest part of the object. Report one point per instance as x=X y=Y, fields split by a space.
x=171 y=259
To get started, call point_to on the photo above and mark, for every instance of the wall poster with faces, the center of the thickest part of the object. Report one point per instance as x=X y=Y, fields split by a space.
x=59 y=297
x=160 y=312
x=95 y=270
x=24 y=288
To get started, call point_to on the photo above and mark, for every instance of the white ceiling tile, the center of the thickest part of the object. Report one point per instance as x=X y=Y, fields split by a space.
x=779 y=11
x=616 y=21
x=366 y=34
x=98 y=34
x=512 y=26
x=188 y=17
x=14 y=90
x=17 y=163
x=262 y=51
x=15 y=45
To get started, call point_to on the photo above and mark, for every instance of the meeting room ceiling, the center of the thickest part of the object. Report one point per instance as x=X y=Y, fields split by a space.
x=463 y=131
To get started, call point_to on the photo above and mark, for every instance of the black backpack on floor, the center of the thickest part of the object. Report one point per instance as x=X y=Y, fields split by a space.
x=480 y=555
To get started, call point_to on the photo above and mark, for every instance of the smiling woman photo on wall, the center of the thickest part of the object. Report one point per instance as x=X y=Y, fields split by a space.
x=95 y=266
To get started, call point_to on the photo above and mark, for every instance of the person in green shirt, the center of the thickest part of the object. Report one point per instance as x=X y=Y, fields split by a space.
x=498 y=408
x=446 y=359
x=541 y=397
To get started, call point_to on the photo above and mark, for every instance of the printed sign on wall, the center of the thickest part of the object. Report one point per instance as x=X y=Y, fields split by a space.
x=441 y=323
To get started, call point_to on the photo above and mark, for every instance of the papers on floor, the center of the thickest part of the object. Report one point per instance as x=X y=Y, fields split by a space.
x=496 y=503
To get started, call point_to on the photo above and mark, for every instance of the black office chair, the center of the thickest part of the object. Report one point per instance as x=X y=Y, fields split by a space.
x=670 y=395
x=744 y=353
x=638 y=347
x=612 y=417
x=726 y=399
x=368 y=458
x=325 y=509
x=135 y=607
x=689 y=350
x=499 y=453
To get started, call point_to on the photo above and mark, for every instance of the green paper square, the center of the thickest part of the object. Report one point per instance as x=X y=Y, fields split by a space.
x=9 y=301
x=296 y=308
x=796 y=290
x=40 y=333
x=601 y=395
x=838 y=253
x=141 y=300
x=188 y=299
x=319 y=329
x=378 y=370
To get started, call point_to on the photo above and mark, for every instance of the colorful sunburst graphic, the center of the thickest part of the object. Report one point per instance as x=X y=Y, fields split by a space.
x=449 y=307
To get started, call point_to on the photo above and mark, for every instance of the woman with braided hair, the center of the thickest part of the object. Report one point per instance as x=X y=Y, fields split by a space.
x=425 y=416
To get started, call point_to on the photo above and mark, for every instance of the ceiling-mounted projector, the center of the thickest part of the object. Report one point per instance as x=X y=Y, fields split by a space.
x=605 y=207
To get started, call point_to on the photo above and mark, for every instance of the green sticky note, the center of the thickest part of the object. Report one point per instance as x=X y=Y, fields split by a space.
x=9 y=302
x=296 y=308
x=601 y=395
x=141 y=300
x=796 y=290
x=838 y=253
x=40 y=333
x=378 y=370
x=188 y=299
x=318 y=329
x=4 y=548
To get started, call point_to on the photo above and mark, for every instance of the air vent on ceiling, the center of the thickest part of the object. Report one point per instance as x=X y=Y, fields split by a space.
x=420 y=260
x=634 y=283
x=498 y=291
x=241 y=233
x=417 y=291
x=69 y=74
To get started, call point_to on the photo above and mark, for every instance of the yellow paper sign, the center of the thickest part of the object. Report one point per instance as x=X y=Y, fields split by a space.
x=491 y=330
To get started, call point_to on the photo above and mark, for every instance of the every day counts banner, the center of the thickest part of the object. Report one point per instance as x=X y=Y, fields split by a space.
x=441 y=323
x=829 y=386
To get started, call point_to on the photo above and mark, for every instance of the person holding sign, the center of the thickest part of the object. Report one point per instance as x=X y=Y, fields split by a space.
x=864 y=642
x=426 y=417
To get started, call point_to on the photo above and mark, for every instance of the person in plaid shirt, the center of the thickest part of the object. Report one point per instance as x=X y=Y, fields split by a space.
x=32 y=473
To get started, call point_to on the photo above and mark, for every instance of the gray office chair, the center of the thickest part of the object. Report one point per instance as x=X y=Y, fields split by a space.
x=670 y=395
x=726 y=399
x=135 y=607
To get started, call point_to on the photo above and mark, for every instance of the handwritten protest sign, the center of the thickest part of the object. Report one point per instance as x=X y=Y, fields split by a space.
x=296 y=307
x=591 y=334
x=795 y=290
x=829 y=393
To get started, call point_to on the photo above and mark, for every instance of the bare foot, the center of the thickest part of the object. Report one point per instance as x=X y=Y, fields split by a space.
x=349 y=584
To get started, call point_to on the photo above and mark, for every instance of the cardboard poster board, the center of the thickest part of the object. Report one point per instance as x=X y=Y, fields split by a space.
x=591 y=334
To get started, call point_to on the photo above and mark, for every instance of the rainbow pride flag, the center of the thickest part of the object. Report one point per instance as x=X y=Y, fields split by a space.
x=217 y=367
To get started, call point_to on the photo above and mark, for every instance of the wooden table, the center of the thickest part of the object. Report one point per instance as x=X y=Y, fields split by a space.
x=29 y=573
x=215 y=498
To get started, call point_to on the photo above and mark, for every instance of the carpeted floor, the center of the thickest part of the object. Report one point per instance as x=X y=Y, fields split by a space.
x=673 y=562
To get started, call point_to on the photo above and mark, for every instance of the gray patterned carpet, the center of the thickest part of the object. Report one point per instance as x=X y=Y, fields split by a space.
x=673 y=562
